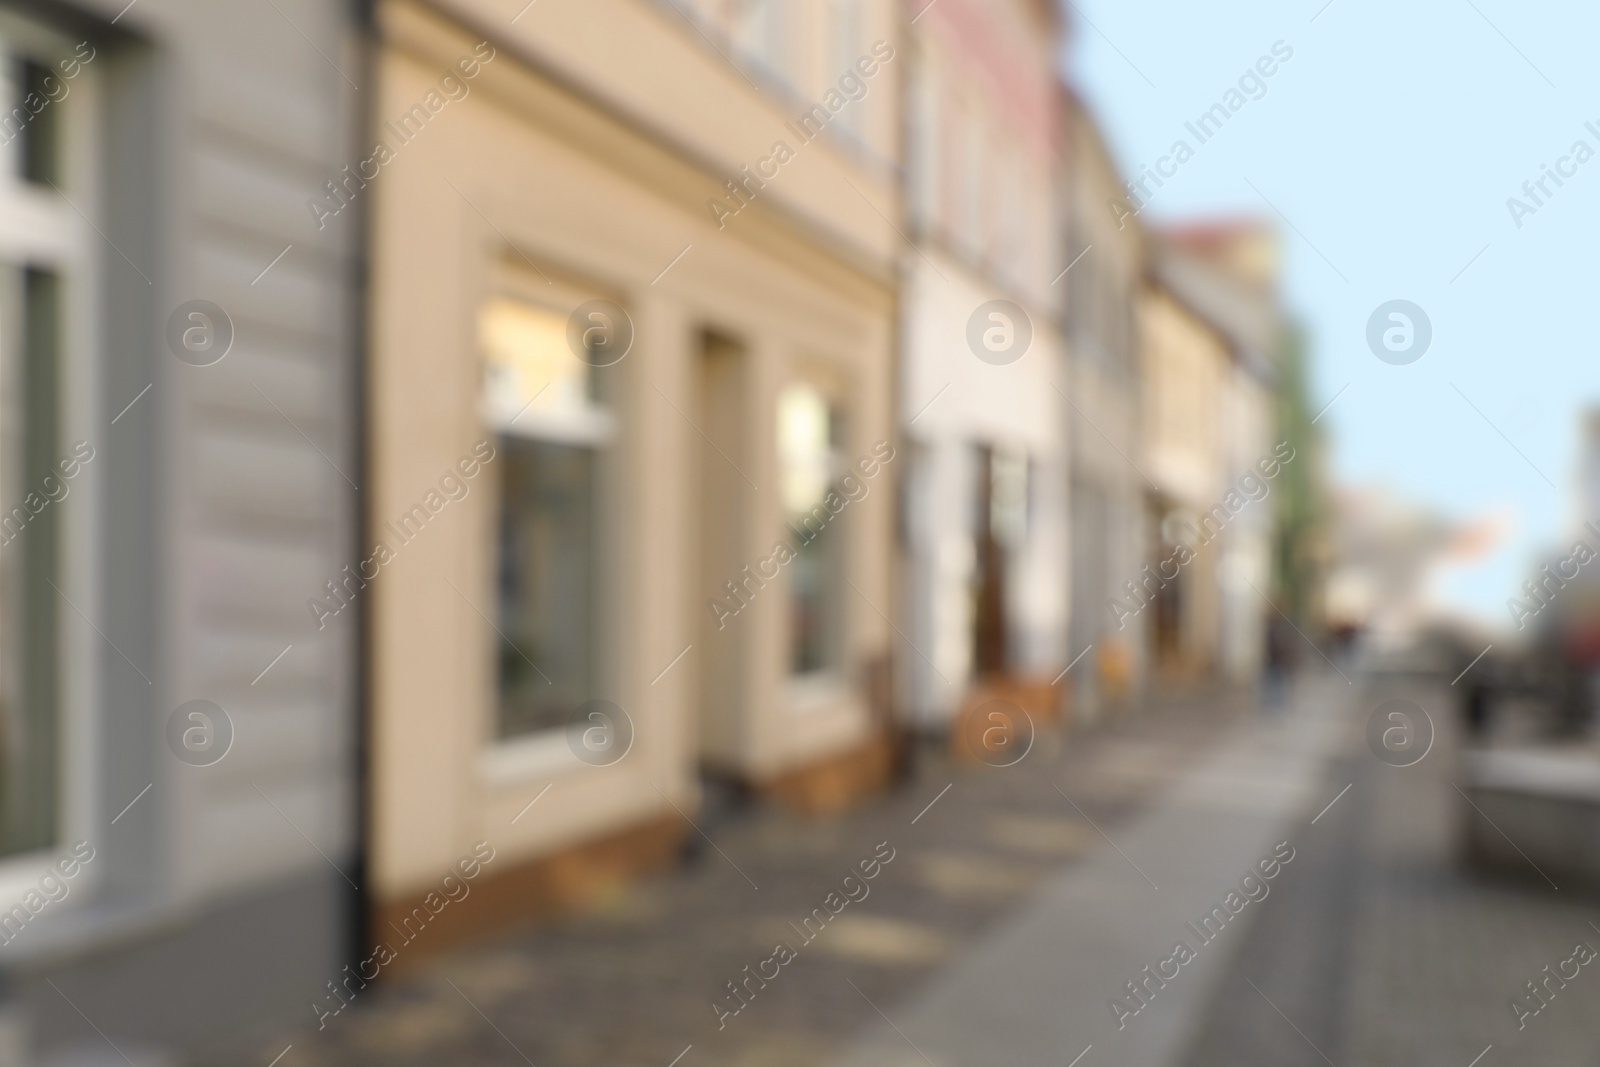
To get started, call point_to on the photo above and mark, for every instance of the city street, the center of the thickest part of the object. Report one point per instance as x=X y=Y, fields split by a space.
x=1017 y=903
x=633 y=980
x=797 y=533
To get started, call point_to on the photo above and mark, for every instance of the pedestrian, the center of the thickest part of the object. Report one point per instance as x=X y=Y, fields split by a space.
x=1275 y=678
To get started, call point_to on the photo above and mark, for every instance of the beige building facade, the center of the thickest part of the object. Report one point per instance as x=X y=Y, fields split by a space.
x=1227 y=271
x=1211 y=331
x=650 y=289
x=1186 y=366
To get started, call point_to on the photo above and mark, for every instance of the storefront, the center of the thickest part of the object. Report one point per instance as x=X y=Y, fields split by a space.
x=982 y=403
x=645 y=447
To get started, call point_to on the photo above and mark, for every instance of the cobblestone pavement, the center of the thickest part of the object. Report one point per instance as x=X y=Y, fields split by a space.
x=632 y=980
x=1378 y=948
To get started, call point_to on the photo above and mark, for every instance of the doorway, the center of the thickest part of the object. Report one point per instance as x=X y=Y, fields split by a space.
x=724 y=594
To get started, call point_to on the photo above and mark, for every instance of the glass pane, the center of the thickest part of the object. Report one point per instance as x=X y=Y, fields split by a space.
x=809 y=434
x=547 y=560
x=39 y=133
x=29 y=545
x=803 y=445
x=1008 y=510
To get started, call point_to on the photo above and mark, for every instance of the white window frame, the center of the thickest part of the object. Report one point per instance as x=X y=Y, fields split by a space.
x=42 y=227
x=511 y=761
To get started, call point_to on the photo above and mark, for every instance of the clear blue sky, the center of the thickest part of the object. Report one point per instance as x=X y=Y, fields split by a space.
x=1391 y=141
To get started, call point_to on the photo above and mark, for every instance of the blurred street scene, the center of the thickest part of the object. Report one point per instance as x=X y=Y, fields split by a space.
x=761 y=532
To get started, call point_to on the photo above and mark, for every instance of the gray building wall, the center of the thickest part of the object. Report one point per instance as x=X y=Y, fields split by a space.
x=228 y=497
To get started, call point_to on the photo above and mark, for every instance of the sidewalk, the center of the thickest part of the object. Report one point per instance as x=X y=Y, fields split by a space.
x=1038 y=989
x=1386 y=952
x=634 y=980
x=1004 y=918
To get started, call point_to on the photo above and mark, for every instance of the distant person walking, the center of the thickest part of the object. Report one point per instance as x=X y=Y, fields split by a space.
x=1280 y=662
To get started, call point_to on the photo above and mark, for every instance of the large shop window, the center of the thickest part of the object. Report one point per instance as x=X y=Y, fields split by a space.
x=811 y=436
x=549 y=409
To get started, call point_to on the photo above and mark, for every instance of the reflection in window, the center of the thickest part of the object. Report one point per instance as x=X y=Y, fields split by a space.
x=553 y=427
x=810 y=451
x=531 y=375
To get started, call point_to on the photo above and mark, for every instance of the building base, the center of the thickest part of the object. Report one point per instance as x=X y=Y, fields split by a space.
x=837 y=782
x=534 y=890
x=1043 y=701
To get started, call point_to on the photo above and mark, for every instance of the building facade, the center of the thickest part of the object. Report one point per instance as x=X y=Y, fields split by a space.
x=1211 y=343
x=1106 y=253
x=523 y=434
x=651 y=290
x=1227 y=271
x=448 y=444
x=178 y=737
x=1185 y=367
x=980 y=400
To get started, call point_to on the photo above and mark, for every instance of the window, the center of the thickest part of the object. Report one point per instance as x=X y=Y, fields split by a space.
x=758 y=30
x=1008 y=508
x=553 y=424
x=41 y=243
x=927 y=148
x=1008 y=241
x=29 y=560
x=39 y=136
x=811 y=454
x=844 y=39
x=974 y=154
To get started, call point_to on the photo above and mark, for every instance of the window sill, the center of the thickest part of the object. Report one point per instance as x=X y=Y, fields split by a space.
x=819 y=691
x=514 y=761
